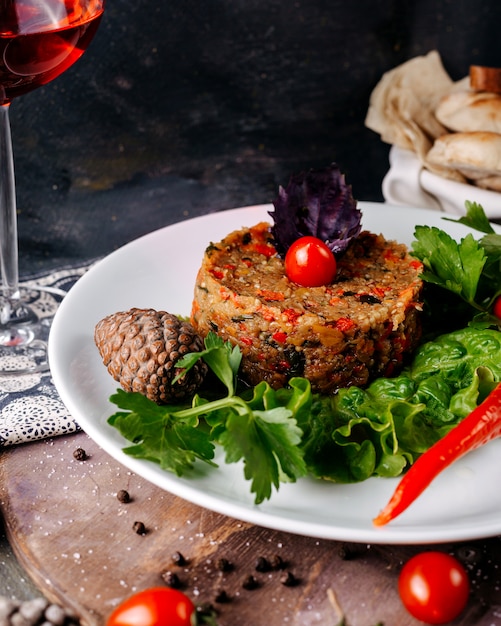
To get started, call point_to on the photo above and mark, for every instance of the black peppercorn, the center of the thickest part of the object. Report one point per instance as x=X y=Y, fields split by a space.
x=262 y=564
x=139 y=528
x=79 y=454
x=250 y=583
x=123 y=496
x=171 y=579
x=222 y=596
x=205 y=610
x=349 y=551
x=178 y=558
x=223 y=565
x=470 y=556
x=345 y=552
x=288 y=579
x=277 y=562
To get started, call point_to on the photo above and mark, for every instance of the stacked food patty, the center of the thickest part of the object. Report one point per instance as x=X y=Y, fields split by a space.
x=359 y=327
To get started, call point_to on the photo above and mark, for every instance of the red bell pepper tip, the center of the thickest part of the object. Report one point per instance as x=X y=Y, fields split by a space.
x=482 y=425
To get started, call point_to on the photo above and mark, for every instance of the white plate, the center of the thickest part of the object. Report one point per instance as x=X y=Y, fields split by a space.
x=158 y=270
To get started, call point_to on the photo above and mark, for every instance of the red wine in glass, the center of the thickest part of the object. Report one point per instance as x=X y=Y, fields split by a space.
x=39 y=40
x=29 y=61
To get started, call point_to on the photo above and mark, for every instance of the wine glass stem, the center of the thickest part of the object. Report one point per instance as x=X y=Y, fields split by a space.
x=8 y=220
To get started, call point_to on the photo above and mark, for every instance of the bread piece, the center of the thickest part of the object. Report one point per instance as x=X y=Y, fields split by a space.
x=489 y=182
x=468 y=111
x=485 y=78
x=476 y=155
x=402 y=105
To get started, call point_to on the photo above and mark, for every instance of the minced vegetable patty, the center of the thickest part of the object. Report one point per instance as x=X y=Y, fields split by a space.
x=360 y=326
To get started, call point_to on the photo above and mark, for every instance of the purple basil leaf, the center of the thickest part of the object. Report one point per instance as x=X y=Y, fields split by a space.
x=317 y=203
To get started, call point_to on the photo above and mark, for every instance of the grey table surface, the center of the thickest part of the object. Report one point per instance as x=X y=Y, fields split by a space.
x=14 y=582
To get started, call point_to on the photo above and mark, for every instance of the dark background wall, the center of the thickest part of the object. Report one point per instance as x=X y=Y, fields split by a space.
x=180 y=108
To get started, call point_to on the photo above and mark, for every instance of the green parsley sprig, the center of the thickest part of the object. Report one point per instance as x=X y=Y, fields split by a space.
x=261 y=430
x=470 y=268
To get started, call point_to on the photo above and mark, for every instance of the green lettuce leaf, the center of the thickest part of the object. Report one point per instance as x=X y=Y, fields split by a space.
x=381 y=430
x=458 y=354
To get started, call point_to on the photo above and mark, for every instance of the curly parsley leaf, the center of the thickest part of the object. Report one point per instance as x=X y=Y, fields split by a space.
x=454 y=266
x=158 y=435
x=268 y=442
x=261 y=431
x=471 y=269
x=222 y=358
x=475 y=218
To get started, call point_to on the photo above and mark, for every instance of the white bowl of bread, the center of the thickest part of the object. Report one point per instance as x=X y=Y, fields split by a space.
x=445 y=135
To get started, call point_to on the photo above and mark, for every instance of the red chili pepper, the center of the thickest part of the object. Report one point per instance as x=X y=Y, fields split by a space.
x=482 y=425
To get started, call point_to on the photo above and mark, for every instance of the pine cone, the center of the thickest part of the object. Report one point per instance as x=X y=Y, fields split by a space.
x=140 y=348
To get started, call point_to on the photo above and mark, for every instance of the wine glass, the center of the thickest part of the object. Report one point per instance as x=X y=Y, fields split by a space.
x=39 y=40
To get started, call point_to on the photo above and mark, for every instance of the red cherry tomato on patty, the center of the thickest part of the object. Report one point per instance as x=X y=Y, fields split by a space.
x=434 y=587
x=496 y=309
x=158 y=606
x=310 y=263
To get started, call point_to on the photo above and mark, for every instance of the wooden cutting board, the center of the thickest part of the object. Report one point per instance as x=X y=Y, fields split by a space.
x=77 y=541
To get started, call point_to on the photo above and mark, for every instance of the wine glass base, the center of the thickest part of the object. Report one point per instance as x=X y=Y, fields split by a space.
x=24 y=358
x=14 y=337
x=24 y=336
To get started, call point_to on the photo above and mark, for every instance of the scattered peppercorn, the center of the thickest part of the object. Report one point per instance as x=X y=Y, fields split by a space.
x=139 y=528
x=223 y=565
x=289 y=580
x=276 y=562
x=79 y=454
x=205 y=610
x=178 y=559
x=171 y=579
x=262 y=564
x=123 y=496
x=250 y=583
x=346 y=553
x=222 y=596
x=349 y=551
x=470 y=556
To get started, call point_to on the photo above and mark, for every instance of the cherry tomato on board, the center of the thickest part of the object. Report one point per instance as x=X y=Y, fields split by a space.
x=434 y=587
x=157 y=606
x=496 y=308
x=310 y=263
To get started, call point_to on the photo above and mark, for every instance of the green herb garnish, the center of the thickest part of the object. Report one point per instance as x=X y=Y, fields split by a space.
x=261 y=430
x=470 y=269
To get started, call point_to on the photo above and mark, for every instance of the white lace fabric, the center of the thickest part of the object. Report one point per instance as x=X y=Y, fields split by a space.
x=30 y=406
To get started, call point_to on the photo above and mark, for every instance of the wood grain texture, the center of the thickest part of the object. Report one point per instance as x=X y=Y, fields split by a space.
x=76 y=540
